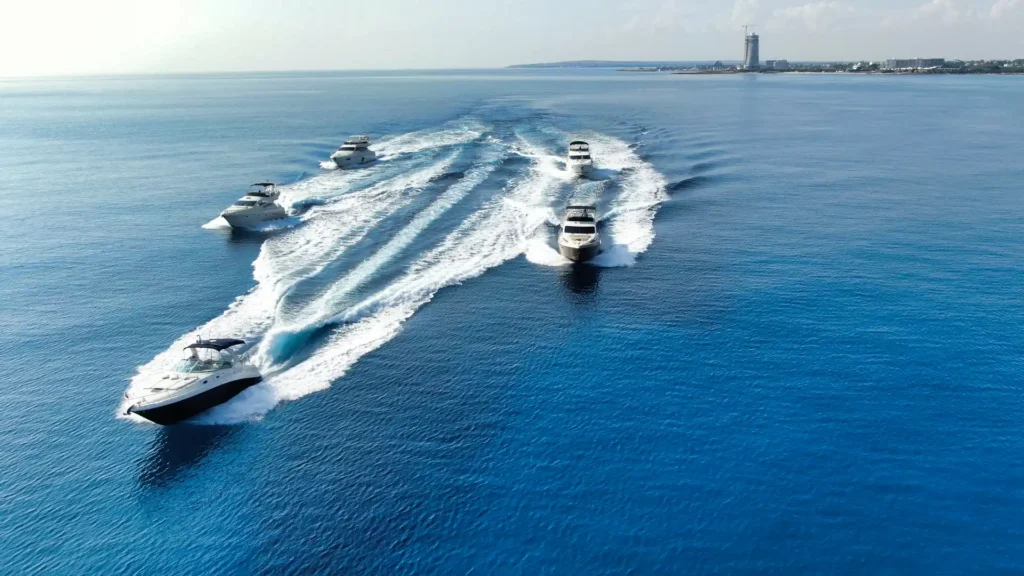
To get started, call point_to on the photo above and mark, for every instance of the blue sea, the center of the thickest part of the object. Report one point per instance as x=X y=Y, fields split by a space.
x=800 y=353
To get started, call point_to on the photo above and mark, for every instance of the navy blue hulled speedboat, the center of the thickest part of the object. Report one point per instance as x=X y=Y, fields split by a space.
x=209 y=374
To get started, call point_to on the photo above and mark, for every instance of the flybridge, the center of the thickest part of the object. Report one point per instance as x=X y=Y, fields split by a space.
x=581 y=213
x=580 y=146
x=358 y=142
x=267 y=190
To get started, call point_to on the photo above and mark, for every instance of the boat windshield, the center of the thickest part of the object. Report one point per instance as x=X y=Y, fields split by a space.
x=245 y=203
x=580 y=157
x=580 y=230
x=197 y=365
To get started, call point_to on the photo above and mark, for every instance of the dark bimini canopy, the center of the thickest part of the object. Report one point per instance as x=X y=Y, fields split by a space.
x=581 y=207
x=217 y=344
x=575 y=142
x=263 y=184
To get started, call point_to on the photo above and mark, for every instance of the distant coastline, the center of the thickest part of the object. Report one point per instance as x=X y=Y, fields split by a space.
x=951 y=67
x=836 y=72
x=619 y=64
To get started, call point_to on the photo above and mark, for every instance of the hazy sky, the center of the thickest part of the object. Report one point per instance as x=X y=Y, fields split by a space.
x=45 y=37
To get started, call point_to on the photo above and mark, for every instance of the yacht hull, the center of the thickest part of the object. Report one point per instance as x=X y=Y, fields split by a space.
x=249 y=219
x=580 y=169
x=352 y=161
x=172 y=413
x=579 y=253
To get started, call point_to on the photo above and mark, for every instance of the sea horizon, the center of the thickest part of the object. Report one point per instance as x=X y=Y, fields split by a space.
x=797 y=352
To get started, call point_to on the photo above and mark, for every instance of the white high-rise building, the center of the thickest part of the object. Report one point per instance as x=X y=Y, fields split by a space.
x=752 y=57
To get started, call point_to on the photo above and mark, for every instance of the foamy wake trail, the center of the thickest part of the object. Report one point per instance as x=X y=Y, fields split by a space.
x=326 y=188
x=332 y=229
x=414 y=142
x=294 y=256
x=538 y=251
x=544 y=162
x=423 y=140
x=519 y=220
x=487 y=238
x=322 y=309
x=630 y=222
x=217 y=223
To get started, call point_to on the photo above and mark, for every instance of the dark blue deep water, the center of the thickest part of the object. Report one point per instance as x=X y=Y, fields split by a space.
x=800 y=352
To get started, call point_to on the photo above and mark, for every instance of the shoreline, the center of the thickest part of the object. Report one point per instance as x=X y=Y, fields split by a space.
x=826 y=72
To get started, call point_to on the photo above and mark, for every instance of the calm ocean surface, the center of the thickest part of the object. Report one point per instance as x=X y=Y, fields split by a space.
x=801 y=352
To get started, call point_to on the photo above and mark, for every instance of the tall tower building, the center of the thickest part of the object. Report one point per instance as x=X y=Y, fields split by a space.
x=752 y=55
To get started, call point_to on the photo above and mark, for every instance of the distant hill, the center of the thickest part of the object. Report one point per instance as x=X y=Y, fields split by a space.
x=617 y=64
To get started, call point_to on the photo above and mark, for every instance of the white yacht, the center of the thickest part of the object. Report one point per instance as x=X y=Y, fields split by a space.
x=579 y=161
x=578 y=239
x=354 y=152
x=256 y=207
x=208 y=374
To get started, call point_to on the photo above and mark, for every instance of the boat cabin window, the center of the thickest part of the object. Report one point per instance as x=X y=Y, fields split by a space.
x=245 y=203
x=580 y=157
x=580 y=230
x=196 y=361
x=199 y=365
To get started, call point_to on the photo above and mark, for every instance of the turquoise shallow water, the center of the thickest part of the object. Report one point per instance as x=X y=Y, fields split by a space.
x=800 y=354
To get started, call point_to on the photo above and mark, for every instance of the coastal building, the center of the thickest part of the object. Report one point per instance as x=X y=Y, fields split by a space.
x=913 y=63
x=777 y=64
x=752 y=54
x=714 y=67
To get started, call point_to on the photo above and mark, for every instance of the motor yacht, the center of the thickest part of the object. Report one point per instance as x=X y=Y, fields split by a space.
x=354 y=152
x=579 y=161
x=578 y=238
x=256 y=207
x=208 y=374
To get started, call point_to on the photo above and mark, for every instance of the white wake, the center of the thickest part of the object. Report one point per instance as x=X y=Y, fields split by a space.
x=628 y=223
x=327 y=232
x=349 y=205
